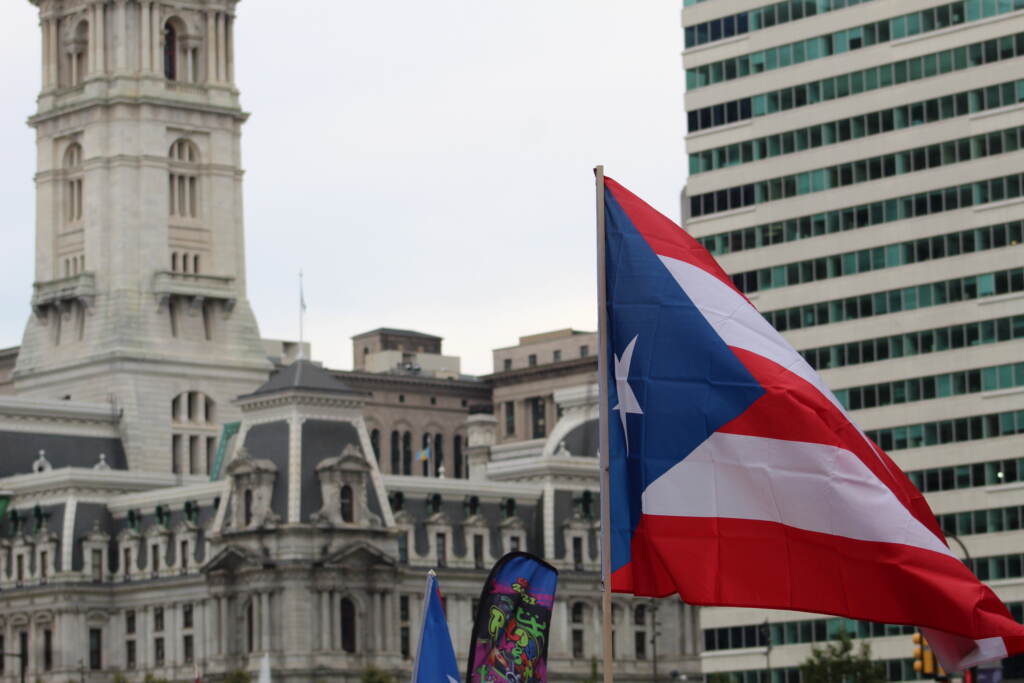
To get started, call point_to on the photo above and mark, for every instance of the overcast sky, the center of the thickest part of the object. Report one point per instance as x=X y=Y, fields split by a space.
x=427 y=164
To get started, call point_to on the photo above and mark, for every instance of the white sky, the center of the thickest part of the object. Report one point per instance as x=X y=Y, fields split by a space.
x=427 y=164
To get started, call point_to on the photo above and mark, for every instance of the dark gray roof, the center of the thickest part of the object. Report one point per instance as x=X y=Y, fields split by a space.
x=21 y=449
x=303 y=375
x=392 y=330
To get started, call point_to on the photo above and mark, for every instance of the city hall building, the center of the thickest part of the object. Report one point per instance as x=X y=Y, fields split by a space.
x=855 y=165
x=185 y=496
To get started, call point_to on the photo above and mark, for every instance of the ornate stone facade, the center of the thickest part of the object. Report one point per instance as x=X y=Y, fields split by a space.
x=127 y=549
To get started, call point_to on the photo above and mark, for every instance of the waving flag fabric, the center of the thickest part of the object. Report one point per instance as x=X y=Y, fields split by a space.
x=738 y=478
x=435 y=657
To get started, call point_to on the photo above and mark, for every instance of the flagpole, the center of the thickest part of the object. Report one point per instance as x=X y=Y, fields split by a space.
x=602 y=397
x=302 y=315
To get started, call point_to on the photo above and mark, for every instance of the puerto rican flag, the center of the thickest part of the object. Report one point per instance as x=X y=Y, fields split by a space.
x=738 y=479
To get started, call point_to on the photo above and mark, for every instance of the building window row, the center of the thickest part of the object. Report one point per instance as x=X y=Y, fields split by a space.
x=431 y=450
x=853 y=83
x=949 y=431
x=184 y=262
x=796 y=632
x=878 y=258
x=954 y=477
x=933 y=386
x=913 y=24
x=760 y=18
x=860 y=171
x=982 y=521
x=73 y=265
x=914 y=343
x=997 y=567
x=896 y=300
x=903 y=116
x=892 y=670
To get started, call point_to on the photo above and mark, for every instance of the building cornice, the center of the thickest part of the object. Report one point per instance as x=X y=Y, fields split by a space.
x=520 y=375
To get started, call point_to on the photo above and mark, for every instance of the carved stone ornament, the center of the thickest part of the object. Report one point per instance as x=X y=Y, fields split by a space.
x=41 y=464
x=348 y=469
x=252 y=488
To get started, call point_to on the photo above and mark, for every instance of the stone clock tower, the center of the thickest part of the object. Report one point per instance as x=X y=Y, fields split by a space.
x=140 y=295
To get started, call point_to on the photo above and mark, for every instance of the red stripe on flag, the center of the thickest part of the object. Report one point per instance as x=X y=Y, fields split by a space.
x=747 y=563
x=792 y=409
x=664 y=236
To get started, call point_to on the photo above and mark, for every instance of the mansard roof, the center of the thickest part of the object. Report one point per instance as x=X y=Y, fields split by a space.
x=303 y=375
x=23 y=450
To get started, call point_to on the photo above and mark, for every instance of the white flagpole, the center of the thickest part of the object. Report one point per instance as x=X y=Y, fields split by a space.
x=602 y=383
x=302 y=316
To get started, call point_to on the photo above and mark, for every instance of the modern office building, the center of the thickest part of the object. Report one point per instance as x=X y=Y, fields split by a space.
x=856 y=167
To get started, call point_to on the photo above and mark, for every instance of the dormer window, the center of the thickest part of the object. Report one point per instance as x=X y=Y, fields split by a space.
x=347 y=505
x=248 y=507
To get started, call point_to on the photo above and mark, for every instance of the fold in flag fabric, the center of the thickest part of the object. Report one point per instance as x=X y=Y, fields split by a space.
x=435 y=658
x=737 y=477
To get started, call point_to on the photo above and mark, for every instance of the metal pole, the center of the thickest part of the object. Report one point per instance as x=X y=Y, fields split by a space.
x=602 y=382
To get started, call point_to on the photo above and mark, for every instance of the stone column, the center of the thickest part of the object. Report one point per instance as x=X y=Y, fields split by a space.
x=336 y=620
x=389 y=622
x=229 y=47
x=101 y=45
x=325 y=620
x=211 y=47
x=222 y=68
x=52 y=52
x=121 y=44
x=224 y=643
x=157 y=39
x=145 y=30
x=143 y=638
x=200 y=629
x=265 y=618
x=170 y=634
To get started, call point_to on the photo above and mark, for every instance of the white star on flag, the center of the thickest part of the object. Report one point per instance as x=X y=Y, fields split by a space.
x=627 y=399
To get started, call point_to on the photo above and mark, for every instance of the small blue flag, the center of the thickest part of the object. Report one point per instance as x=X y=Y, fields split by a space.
x=435 y=659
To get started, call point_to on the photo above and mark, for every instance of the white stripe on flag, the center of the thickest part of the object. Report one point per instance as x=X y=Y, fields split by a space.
x=807 y=486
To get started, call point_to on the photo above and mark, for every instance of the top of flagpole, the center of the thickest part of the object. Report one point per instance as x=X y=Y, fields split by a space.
x=302 y=315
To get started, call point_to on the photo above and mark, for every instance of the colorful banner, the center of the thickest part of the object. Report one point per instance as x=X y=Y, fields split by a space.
x=513 y=622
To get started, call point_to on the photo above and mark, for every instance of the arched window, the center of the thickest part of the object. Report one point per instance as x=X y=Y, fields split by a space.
x=348 y=625
x=396 y=453
x=248 y=507
x=457 y=456
x=73 y=184
x=183 y=190
x=346 y=504
x=174 y=262
x=195 y=263
x=407 y=453
x=375 y=444
x=438 y=454
x=77 y=60
x=194 y=432
x=170 y=51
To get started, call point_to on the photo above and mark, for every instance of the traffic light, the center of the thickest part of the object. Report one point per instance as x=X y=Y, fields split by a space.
x=924 y=658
